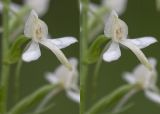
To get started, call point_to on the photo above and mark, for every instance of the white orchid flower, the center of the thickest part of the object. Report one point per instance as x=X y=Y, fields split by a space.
x=146 y=80
x=37 y=31
x=40 y=6
x=117 y=30
x=67 y=79
x=118 y=5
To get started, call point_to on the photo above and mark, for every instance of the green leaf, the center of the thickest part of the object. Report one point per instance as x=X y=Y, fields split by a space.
x=16 y=50
x=96 y=49
x=107 y=101
x=30 y=100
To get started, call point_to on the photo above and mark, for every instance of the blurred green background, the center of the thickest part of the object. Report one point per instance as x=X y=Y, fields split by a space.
x=62 y=19
x=143 y=20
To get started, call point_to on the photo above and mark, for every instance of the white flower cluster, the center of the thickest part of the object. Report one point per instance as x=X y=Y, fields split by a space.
x=66 y=76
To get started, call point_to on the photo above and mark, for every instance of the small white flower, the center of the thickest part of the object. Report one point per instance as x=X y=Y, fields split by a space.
x=158 y=5
x=99 y=13
x=146 y=80
x=118 y=5
x=37 y=30
x=14 y=7
x=1 y=29
x=40 y=6
x=117 y=30
x=67 y=79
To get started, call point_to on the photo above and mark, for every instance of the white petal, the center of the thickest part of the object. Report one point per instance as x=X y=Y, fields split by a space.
x=35 y=28
x=158 y=5
x=32 y=53
x=1 y=29
x=75 y=96
x=63 y=42
x=118 y=5
x=73 y=61
x=155 y=97
x=1 y=6
x=115 y=28
x=40 y=6
x=52 y=78
x=109 y=22
x=30 y=23
x=142 y=58
x=13 y=6
x=59 y=54
x=93 y=7
x=143 y=42
x=153 y=62
x=113 y=53
x=129 y=78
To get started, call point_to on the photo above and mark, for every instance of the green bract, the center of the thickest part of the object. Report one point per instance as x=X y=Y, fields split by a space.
x=16 y=50
x=94 y=51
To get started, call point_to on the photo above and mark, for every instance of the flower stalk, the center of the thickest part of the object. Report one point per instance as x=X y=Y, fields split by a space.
x=17 y=79
x=44 y=102
x=5 y=67
x=124 y=100
x=83 y=50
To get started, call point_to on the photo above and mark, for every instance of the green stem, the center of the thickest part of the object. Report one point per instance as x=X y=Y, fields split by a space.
x=97 y=69
x=99 y=16
x=108 y=100
x=96 y=23
x=48 y=98
x=5 y=67
x=124 y=100
x=17 y=77
x=95 y=76
x=18 y=22
x=19 y=18
x=83 y=50
x=30 y=100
